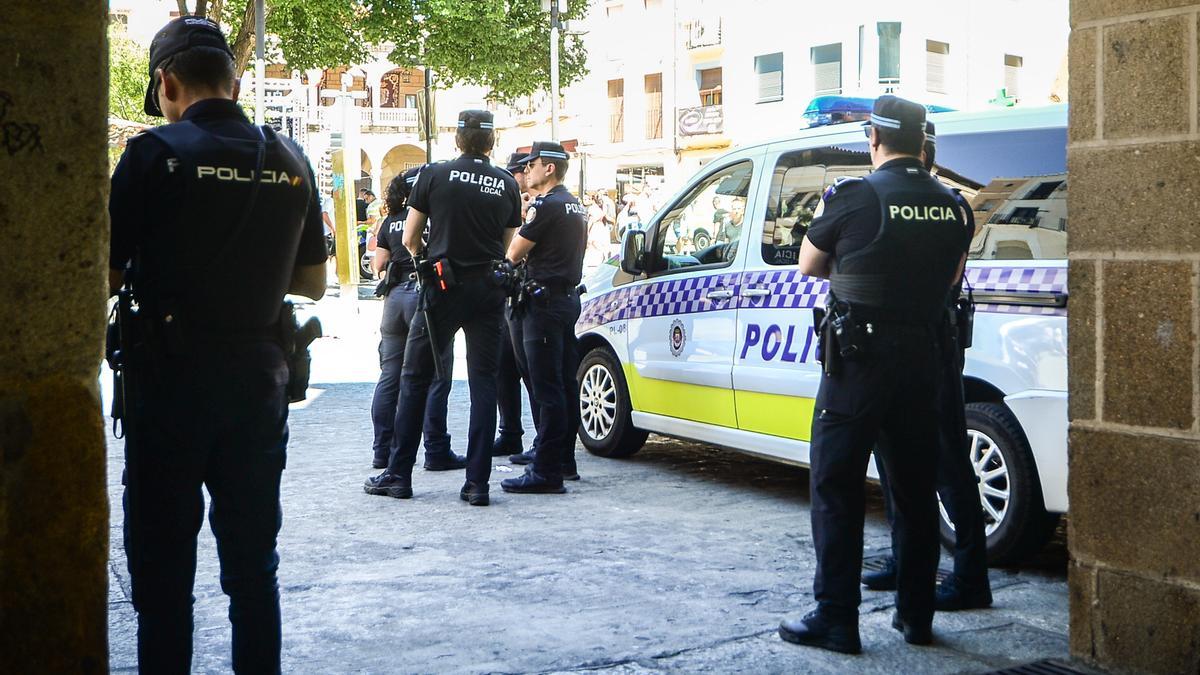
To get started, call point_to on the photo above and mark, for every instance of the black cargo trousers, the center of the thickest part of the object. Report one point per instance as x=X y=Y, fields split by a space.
x=476 y=306
x=543 y=331
x=892 y=390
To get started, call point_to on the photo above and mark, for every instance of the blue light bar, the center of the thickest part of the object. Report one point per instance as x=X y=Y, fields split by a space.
x=826 y=110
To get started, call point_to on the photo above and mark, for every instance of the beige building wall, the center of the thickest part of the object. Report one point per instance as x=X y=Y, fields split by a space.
x=1134 y=164
x=54 y=229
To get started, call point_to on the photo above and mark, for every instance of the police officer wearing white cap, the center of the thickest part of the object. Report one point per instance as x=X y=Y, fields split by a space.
x=473 y=209
x=892 y=245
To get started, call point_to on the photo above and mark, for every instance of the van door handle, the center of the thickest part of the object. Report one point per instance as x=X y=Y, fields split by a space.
x=756 y=292
x=718 y=294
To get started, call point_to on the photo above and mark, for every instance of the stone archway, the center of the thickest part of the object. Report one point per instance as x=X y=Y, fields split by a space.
x=398 y=160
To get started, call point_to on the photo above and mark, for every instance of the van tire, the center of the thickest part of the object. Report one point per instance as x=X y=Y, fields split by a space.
x=1025 y=526
x=602 y=388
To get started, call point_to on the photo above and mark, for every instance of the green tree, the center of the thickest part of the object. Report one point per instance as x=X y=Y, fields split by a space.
x=128 y=66
x=503 y=45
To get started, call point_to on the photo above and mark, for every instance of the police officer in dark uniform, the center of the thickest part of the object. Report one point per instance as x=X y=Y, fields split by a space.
x=551 y=244
x=401 y=296
x=957 y=485
x=892 y=244
x=473 y=209
x=213 y=221
x=511 y=374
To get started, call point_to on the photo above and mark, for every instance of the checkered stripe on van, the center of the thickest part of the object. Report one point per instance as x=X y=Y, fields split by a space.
x=1018 y=279
x=681 y=296
x=789 y=290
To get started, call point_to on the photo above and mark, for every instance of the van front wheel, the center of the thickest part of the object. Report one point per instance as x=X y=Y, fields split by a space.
x=605 y=424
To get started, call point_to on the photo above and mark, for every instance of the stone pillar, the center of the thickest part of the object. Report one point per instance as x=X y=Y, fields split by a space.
x=1134 y=322
x=53 y=261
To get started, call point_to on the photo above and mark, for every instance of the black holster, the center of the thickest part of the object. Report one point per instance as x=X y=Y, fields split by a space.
x=295 y=339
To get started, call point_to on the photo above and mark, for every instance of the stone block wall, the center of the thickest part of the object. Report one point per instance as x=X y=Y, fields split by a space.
x=53 y=261
x=1134 y=162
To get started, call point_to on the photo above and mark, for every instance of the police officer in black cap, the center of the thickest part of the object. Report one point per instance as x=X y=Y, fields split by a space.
x=473 y=209
x=957 y=485
x=194 y=205
x=551 y=244
x=892 y=245
x=401 y=296
x=512 y=373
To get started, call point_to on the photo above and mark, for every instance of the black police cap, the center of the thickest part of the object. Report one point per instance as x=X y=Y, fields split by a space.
x=409 y=179
x=514 y=162
x=476 y=119
x=546 y=149
x=893 y=112
x=180 y=34
x=930 y=136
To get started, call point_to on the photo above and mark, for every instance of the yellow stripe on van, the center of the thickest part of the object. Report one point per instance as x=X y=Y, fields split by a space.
x=775 y=414
x=710 y=405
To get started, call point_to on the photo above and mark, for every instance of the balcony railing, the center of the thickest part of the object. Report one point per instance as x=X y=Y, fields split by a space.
x=703 y=32
x=704 y=119
x=398 y=118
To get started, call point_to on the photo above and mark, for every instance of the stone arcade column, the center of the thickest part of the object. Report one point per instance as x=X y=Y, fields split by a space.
x=53 y=262
x=1134 y=318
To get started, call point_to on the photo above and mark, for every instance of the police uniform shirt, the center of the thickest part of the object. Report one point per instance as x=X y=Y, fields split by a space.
x=470 y=203
x=148 y=189
x=849 y=215
x=390 y=239
x=557 y=223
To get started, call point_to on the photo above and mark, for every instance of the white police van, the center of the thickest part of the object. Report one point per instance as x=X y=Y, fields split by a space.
x=716 y=344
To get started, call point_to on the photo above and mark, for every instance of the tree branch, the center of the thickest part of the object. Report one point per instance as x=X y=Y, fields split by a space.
x=243 y=44
x=201 y=7
x=183 y=10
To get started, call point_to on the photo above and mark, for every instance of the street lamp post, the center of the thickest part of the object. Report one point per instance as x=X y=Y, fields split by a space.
x=555 y=7
x=260 y=63
x=348 y=167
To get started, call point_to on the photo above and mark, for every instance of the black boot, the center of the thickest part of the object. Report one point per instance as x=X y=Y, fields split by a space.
x=884 y=579
x=475 y=494
x=389 y=484
x=954 y=594
x=817 y=630
x=507 y=445
x=379 y=462
x=532 y=483
x=915 y=632
x=446 y=462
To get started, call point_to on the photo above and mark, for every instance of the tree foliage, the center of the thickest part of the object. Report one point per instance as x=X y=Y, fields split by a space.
x=503 y=45
x=128 y=65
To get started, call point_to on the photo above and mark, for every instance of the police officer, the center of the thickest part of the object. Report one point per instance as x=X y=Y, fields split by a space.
x=891 y=245
x=401 y=295
x=194 y=205
x=551 y=243
x=957 y=485
x=472 y=209
x=511 y=375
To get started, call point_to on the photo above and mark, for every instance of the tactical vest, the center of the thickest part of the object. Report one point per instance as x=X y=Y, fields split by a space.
x=203 y=265
x=903 y=275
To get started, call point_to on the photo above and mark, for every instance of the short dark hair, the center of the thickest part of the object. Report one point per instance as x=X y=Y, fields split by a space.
x=396 y=195
x=930 y=154
x=905 y=143
x=560 y=168
x=475 y=141
x=202 y=67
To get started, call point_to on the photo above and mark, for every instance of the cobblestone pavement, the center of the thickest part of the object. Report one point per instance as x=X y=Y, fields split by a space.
x=682 y=558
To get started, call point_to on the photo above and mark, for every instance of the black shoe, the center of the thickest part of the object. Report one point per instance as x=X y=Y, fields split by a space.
x=521 y=458
x=954 y=594
x=379 y=462
x=884 y=579
x=914 y=634
x=506 y=445
x=475 y=494
x=532 y=483
x=815 y=630
x=570 y=474
x=389 y=484
x=447 y=462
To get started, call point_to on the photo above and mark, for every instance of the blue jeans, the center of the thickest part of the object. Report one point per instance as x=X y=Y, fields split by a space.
x=399 y=310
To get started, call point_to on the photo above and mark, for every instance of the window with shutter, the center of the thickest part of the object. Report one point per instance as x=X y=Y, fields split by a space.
x=654 y=113
x=710 y=86
x=937 y=54
x=768 y=69
x=889 y=52
x=1012 y=75
x=616 y=111
x=827 y=69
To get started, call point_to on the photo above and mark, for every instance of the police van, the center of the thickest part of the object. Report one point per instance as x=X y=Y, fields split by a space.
x=716 y=343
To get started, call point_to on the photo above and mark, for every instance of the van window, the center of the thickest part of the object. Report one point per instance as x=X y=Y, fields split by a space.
x=704 y=226
x=1015 y=181
x=797 y=183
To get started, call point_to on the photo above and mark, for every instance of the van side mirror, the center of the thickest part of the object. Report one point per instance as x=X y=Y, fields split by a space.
x=633 y=252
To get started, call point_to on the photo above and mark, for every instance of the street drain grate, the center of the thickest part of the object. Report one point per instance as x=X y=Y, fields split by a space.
x=875 y=563
x=1043 y=667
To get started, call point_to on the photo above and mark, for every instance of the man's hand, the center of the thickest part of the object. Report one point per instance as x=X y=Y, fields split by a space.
x=519 y=248
x=414 y=225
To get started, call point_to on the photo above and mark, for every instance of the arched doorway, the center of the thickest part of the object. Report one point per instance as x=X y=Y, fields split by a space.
x=398 y=160
x=398 y=88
